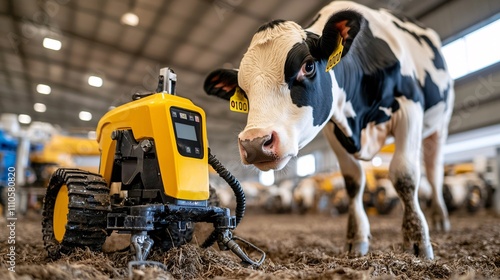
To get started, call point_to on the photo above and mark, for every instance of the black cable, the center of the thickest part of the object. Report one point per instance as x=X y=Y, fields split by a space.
x=238 y=192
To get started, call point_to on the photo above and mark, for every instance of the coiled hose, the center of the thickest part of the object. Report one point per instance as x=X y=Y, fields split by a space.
x=238 y=192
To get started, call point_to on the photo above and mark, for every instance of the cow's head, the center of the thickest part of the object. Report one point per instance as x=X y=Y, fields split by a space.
x=283 y=74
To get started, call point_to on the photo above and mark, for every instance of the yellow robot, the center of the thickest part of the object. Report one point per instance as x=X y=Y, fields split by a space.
x=155 y=156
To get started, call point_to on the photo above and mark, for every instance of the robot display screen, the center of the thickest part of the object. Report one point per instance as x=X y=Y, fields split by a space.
x=185 y=131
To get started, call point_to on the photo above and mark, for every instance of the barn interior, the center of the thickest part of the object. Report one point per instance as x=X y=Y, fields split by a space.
x=65 y=63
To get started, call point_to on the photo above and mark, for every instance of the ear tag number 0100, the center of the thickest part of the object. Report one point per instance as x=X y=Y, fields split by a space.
x=238 y=102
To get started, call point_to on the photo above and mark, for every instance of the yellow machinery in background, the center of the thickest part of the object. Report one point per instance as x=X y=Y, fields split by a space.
x=379 y=196
x=153 y=182
x=64 y=151
x=465 y=187
x=60 y=151
x=332 y=197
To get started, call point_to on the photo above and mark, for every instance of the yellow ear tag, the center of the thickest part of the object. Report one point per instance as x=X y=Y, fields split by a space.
x=238 y=102
x=334 y=58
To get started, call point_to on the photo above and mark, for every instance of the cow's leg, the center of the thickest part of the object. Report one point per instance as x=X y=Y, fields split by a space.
x=358 y=227
x=404 y=171
x=433 y=159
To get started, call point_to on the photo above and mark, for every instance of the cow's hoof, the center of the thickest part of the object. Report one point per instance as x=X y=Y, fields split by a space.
x=441 y=224
x=439 y=218
x=422 y=251
x=357 y=249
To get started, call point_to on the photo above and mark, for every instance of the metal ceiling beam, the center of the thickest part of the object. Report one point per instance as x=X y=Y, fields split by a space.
x=433 y=8
x=72 y=16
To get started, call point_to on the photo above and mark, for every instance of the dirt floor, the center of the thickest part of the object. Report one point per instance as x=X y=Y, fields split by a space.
x=297 y=247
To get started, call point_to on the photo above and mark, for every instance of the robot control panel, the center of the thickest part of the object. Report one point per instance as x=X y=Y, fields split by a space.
x=187 y=127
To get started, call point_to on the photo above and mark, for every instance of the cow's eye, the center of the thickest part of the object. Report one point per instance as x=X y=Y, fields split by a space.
x=308 y=68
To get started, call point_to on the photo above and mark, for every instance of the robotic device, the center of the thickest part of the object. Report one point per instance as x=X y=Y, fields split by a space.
x=154 y=149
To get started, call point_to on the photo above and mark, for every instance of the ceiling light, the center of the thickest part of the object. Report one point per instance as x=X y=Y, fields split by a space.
x=24 y=119
x=95 y=81
x=377 y=161
x=52 y=44
x=85 y=116
x=130 y=19
x=40 y=107
x=43 y=89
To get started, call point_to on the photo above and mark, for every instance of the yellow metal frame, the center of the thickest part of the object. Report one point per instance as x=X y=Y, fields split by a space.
x=149 y=117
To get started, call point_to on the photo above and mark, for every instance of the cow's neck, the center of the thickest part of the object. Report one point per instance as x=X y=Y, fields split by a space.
x=358 y=109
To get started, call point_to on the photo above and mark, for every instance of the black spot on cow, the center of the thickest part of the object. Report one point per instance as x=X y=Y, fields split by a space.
x=380 y=90
x=368 y=53
x=372 y=80
x=371 y=93
x=432 y=95
x=438 y=60
x=315 y=92
x=347 y=142
x=270 y=25
x=313 y=41
x=352 y=187
x=297 y=55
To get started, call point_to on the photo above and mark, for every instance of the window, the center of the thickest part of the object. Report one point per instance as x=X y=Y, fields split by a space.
x=266 y=178
x=473 y=51
x=306 y=165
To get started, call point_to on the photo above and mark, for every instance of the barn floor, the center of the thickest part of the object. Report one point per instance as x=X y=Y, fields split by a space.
x=298 y=247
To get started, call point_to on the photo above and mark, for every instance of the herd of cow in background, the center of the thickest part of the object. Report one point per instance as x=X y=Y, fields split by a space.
x=464 y=190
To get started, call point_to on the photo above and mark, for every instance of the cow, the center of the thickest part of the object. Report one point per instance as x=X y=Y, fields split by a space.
x=364 y=77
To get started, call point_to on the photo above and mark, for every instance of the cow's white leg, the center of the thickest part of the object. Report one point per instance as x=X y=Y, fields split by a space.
x=405 y=174
x=433 y=159
x=358 y=226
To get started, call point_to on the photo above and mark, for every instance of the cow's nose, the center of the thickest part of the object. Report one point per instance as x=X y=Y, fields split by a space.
x=259 y=149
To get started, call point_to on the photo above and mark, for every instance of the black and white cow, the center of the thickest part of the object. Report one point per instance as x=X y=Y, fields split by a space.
x=391 y=82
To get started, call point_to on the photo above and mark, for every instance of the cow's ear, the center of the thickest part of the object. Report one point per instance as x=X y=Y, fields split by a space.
x=221 y=83
x=339 y=33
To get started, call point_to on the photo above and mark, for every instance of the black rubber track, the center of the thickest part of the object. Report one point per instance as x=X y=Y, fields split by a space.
x=88 y=208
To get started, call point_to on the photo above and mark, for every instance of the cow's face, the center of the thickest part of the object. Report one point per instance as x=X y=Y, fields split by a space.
x=289 y=92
